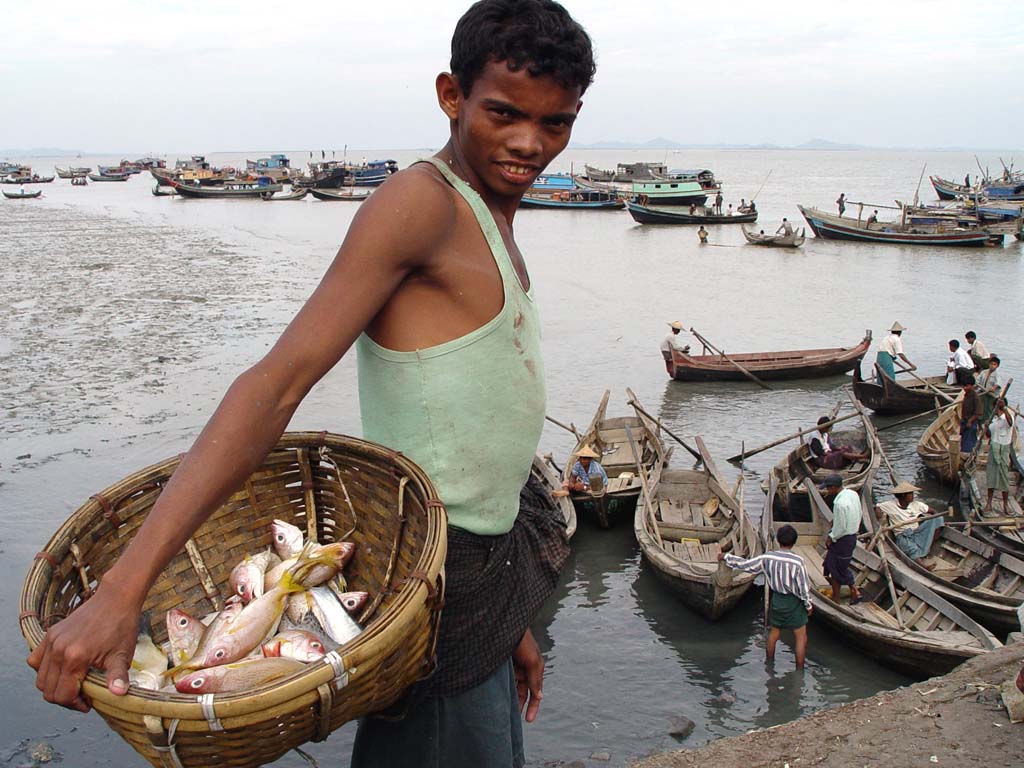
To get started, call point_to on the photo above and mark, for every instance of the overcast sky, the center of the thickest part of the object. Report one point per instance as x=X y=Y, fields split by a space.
x=164 y=76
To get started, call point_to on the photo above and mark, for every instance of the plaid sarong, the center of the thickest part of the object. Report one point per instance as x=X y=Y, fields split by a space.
x=495 y=586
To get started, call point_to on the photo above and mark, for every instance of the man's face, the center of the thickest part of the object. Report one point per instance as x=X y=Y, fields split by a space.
x=832 y=491
x=952 y=348
x=993 y=364
x=512 y=125
x=585 y=461
x=904 y=499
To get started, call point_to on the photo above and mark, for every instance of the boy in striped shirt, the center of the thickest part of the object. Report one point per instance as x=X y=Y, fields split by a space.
x=786 y=577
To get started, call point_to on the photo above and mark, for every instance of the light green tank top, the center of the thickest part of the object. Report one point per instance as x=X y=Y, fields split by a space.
x=469 y=411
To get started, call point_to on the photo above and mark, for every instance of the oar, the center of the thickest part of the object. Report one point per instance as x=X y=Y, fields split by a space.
x=887 y=528
x=873 y=438
x=568 y=428
x=643 y=484
x=940 y=409
x=640 y=409
x=930 y=386
x=743 y=370
x=746 y=454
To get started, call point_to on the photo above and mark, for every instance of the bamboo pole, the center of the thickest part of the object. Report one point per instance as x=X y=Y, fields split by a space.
x=743 y=370
x=640 y=409
x=643 y=485
x=916 y=416
x=930 y=386
x=741 y=456
x=568 y=428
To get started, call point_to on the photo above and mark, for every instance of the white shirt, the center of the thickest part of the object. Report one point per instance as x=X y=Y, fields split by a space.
x=672 y=342
x=978 y=349
x=895 y=514
x=1001 y=429
x=893 y=344
x=958 y=359
x=989 y=379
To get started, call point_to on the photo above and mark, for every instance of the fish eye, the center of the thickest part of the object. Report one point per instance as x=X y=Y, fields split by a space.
x=182 y=622
x=279 y=537
x=198 y=682
x=219 y=653
x=315 y=645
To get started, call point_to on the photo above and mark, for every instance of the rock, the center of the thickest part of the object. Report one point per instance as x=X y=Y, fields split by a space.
x=723 y=700
x=602 y=756
x=988 y=696
x=1013 y=700
x=680 y=727
x=24 y=456
x=41 y=752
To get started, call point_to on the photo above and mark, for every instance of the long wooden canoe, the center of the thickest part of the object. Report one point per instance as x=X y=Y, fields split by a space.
x=229 y=190
x=679 y=214
x=793 y=240
x=608 y=436
x=901 y=396
x=790 y=364
x=939 y=446
x=899 y=621
x=1002 y=528
x=693 y=516
x=543 y=472
x=832 y=227
x=22 y=195
x=333 y=195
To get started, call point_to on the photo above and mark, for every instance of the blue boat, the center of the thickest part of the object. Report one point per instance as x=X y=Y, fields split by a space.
x=575 y=200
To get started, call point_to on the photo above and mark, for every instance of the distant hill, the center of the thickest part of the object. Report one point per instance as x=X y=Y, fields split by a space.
x=663 y=143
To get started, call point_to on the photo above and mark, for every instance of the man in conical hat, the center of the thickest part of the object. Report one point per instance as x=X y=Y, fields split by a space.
x=585 y=468
x=671 y=343
x=891 y=348
x=913 y=537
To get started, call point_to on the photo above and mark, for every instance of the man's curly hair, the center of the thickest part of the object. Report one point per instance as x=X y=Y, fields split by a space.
x=538 y=35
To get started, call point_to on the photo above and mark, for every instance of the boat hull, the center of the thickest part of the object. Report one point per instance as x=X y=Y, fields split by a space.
x=644 y=214
x=891 y=398
x=830 y=228
x=775 y=366
x=19 y=196
x=201 y=192
x=571 y=205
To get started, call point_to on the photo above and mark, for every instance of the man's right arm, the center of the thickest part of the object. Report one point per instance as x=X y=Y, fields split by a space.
x=376 y=256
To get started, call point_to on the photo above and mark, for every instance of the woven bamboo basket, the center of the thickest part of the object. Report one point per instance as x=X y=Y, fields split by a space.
x=327 y=485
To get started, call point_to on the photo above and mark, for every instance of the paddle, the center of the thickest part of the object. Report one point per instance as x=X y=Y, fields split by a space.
x=643 y=484
x=568 y=428
x=742 y=370
x=930 y=386
x=940 y=409
x=640 y=409
x=800 y=433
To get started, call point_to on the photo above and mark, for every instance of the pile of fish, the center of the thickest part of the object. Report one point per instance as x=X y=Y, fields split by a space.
x=288 y=607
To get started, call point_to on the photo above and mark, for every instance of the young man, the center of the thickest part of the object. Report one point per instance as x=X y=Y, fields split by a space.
x=979 y=352
x=824 y=453
x=997 y=470
x=785 y=576
x=430 y=285
x=842 y=539
x=970 y=416
x=913 y=537
x=891 y=348
x=960 y=366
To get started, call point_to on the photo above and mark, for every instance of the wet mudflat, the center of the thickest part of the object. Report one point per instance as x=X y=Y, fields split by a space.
x=126 y=317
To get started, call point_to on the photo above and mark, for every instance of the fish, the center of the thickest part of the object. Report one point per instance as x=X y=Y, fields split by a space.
x=332 y=616
x=299 y=605
x=247 y=578
x=288 y=539
x=238 y=676
x=149 y=662
x=352 y=601
x=297 y=644
x=184 y=632
x=255 y=623
x=334 y=557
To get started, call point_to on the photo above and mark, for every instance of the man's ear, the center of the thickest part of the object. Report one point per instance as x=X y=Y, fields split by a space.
x=449 y=94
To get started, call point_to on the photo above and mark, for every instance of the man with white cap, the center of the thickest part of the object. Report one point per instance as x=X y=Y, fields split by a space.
x=585 y=468
x=903 y=513
x=671 y=343
x=891 y=348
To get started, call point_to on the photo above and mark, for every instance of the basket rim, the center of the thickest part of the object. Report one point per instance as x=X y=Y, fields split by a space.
x=378 y=639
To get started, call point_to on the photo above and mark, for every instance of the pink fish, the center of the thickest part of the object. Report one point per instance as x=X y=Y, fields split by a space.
x=247 y=578
x=238 y=676
x=287 y=539
x=295 y=644
x=353 y=601
x=333 y=557
x=184 y=632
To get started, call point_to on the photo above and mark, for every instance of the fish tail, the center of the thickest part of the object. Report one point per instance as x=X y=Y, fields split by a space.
x=289 y=583
x=173 y=672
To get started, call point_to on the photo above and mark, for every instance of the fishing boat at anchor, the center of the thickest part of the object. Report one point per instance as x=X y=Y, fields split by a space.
x=789 y=364
x=899 y=620
x=690 y=517
x=831 y=227
x=793 y=240
x=70 y=173
x=233 y=190
x=338 y=195
x=23 y=195
x=610 y=439
x=574 y=200
x=644 y=213
x=110 y=176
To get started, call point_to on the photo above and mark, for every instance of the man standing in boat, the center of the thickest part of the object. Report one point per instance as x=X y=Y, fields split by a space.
x=842 y=539
x=997 y=470
x=786 y=229
x=841 y=203
x=902 y=515
x=443 y=313
x=970 y=416
x=891 y=348
x=671 y=343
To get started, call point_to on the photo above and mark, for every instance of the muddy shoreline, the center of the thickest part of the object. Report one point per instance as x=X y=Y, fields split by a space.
x=954 y=720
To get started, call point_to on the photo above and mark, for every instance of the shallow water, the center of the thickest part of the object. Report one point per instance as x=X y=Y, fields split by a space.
x=126 y=316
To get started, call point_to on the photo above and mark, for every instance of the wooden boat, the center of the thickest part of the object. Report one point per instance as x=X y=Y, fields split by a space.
x=22 y=195
x=832 y=227
x=984 y=582
x=548 y=477
x=298 y=193
x=1002 y=529
x=794 y=240
x=949 y=190
x=901 y=396
x=574 y=200
x=609 y=437
x=34 y=179
x=110 y=177
x=790 y=364
x=692 y=517
x=899 y=621
x=648 y=214
x=70 y=173
x=332 y=195
x=160 y=191
x=233 y=190
x=939 y=446
x=79 y=181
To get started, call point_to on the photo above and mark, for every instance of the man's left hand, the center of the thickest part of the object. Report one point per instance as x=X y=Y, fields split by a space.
x=529 y=670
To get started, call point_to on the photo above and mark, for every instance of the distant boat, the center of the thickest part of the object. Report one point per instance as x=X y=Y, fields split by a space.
x=580 y=199
x=650 y=214
x=332 y=195
x=235 y=190
x=33 y=179
x=160 y=191
x=110 y=176
x=626 y=173
x=276 y=167
x=793 y=240
x=79 y=181
x=297 y=194
x=832 y=227
x=949 y=190
x=22 y=195
x=70 y=173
